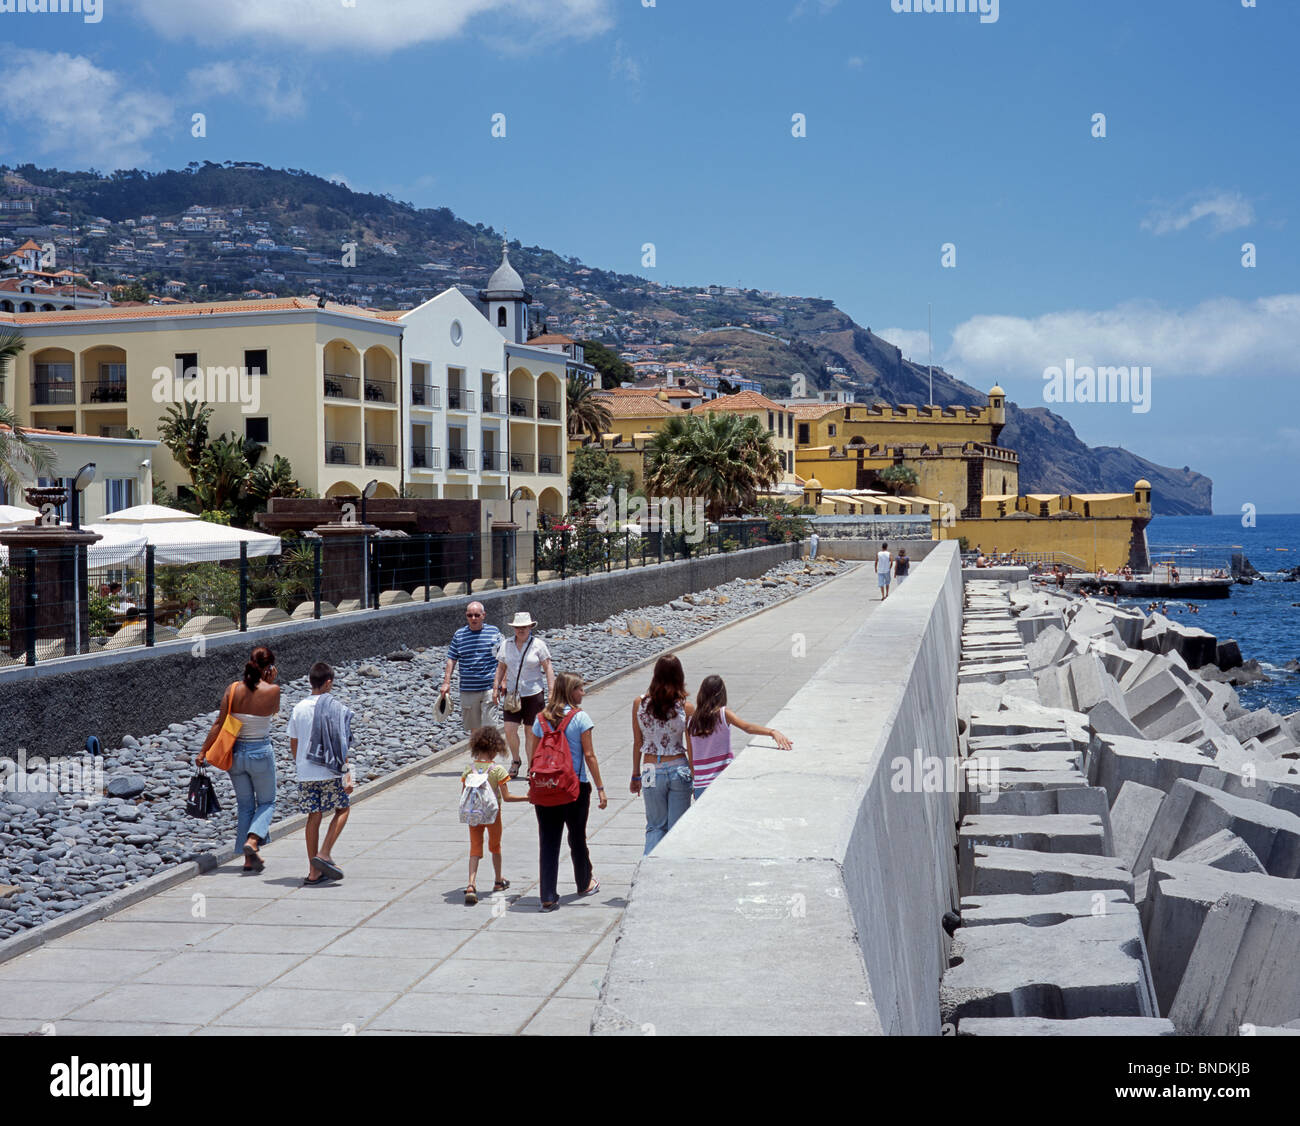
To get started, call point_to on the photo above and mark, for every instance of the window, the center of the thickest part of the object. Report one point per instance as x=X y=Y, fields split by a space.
x=457 y=333
x=187 y=364
x=119 y=493
x=53 y=373
x=830 y=429
x=771 y=422
x=803 y=433
x=501 y=316
x=112 y=373
x=257 y=430
x=255 y=361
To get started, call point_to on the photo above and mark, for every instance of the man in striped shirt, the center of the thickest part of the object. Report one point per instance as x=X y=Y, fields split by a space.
x=475 y=646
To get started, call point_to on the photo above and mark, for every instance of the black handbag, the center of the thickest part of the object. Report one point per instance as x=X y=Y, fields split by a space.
x=202 y=800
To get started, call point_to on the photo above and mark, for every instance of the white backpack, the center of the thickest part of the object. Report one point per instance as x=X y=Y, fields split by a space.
x=478 y=802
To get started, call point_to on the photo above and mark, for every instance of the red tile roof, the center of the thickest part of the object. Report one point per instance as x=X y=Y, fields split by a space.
x=741 y=401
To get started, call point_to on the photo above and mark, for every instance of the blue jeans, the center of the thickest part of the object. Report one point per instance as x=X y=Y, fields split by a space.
x=252 y=773
x=812 y=550
x=666 y=800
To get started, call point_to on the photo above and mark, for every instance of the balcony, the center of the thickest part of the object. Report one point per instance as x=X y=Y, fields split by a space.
x=379 y=454
x=425 y=395
x=53 y=394
x=342 y=386
x=521 y=407
x=381 y=391
x=103 y=391
x=342 y=453
x=550 y=463
x=494 y=404
x=549 y=409
x=521 y=463
x=426 y=457
x=113 y=432
x=460 y=399
x=494 y=461
x=461 y=460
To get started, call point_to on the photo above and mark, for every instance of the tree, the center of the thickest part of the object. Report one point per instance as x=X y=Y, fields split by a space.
x=586 y=412
x=274 y=480
x=592 y=469
x=184 y=433
x=20 y=457
x=898 y=477
x=725 y=458
x=132 y=291
x=612 y=367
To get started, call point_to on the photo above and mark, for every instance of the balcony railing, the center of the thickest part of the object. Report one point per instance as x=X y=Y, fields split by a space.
x=461 y=459
x=550 y=463
x=494 y=461
x=379 y=454
x=103 y=391
x=48 y=394
x=460 y=399
x=112 y=431
x=548 y=409
x=342 y=386
x=381 y=391
x=425 y=395
x=521 y=407
x=521 y=463
x=342 y=453
x=426 y=457
x=494 y=404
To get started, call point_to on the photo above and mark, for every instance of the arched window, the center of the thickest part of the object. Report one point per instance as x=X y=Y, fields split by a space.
x=501 y=316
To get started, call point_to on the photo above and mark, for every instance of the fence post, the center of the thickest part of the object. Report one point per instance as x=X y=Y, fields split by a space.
x=243 y=587
x=564 y=555
x=428 y=564
x=645 y=532
x=29 y=626
x=537 y=546
x=659 y=543
x=505 y=559
x=469 y=563
x=315 y=578
x=627 y=551
x=150 y=594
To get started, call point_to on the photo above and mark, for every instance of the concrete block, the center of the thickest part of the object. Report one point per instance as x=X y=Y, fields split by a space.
x=546 y=576
x=1195 y=646
x=1049 y=647
x=1082 y=967
x=455 y=588
x=1091 y=684
x=266 y=615
x=1259 y=724
x=1032 y=626
x=1131 y=817
x=978 y=786
x=1222 y=850
x=1116 y=657
x=1052 y=833
x=1116 y=759
x=1227 y=655
x=485 y=584
x=130 y=636
x=1087 y=1026
x=1009 y=762
x=435 y=591
x=1160 y=705
x=1030 y=741
x=1013 y=871
x=1088 y=621
x=1054 y=688
x=204 y=625
x=394 y=597
x=308 y=609
x=1041 y=910
x=1191 y=812
x=994 y=671
x=1110 y=720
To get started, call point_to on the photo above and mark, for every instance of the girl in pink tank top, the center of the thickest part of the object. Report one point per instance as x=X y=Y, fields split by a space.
x=710 y=729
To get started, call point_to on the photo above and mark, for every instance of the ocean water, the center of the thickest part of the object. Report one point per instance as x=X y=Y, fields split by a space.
x=1263 y=618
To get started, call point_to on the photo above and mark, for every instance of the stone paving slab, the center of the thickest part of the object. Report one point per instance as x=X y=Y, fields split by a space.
x=391 y=949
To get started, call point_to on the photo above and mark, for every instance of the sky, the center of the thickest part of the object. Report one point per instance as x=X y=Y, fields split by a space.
x=942 y=159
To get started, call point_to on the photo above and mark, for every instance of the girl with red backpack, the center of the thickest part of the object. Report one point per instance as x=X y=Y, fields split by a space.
x=563 y=765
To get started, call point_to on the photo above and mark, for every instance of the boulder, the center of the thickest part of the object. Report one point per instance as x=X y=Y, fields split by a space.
x=126 y=786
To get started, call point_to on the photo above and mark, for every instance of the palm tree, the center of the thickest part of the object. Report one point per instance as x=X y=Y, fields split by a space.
x=586 y=412
x=274 y=480
x=17 y=450
x=725 y=458
x=184 y=432
x=221 y=472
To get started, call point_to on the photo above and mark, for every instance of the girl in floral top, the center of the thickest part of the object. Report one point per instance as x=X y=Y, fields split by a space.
x=661 y=749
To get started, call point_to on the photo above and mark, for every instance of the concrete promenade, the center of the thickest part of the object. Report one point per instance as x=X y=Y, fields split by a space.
x=391 y=948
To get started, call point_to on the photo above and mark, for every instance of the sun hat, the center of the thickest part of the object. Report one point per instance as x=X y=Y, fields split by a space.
x=523 y=618
x=443 y=706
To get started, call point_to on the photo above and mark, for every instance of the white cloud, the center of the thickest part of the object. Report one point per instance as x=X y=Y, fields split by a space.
x=256 y=83
x=856 y=62
x=821 y=7
x=622 y=65
x=368 y=25
x=1223 y=336
x=913 y=344
x=77 y=111
x=1227 y=211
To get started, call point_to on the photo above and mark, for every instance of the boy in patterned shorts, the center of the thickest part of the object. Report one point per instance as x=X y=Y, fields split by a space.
x=324 y=772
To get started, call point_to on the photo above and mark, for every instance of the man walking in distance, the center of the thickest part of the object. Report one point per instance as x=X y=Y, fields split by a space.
x=475 y=646
x=884 y=563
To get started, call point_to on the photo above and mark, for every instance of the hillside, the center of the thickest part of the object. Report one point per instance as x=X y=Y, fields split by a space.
x=219 y=230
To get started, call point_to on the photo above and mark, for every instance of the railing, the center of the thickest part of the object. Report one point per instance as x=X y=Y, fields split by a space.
x=494 y=461
x=521 y=406
x=494 y=404
x=103 y=391
x=521 y=463
x=548 y=409
x=112 y=431
x=550 y=463
x=462 y=460
x=342 y=453
x=342 y=386
x=426 y=457
x=425 y=395
x=47 y=394
x=460 y=399
x=381 y=390
x=379 y=454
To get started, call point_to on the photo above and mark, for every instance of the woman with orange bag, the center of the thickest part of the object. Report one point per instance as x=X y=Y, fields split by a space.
x=240 y=742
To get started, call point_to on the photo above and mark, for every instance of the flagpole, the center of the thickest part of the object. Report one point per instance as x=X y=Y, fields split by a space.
x=930 y=333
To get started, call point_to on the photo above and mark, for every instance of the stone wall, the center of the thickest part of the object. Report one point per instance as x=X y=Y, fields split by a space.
x=858 y=547
x=806 y=896
x=51 y=708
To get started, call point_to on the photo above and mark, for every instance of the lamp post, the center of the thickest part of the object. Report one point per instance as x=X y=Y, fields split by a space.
x=366 y=494
x=85 y=475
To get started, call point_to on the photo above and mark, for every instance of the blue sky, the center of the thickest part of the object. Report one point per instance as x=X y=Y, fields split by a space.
x=672 y=124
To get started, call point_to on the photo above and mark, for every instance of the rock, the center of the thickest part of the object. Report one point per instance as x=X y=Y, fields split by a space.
x=370 y=672
x=130 y=813
x=401 y=655
x=678 y=605
x=126 y=786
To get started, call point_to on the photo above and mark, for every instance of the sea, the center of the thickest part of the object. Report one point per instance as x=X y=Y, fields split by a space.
x=1264 y=618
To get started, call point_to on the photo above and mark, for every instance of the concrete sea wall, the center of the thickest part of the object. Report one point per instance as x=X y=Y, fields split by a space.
x=50 y=708
x=805 y=894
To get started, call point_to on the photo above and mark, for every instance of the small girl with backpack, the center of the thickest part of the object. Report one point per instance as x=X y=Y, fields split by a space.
x=710 y=731
x=563 y=761
x=484 y=785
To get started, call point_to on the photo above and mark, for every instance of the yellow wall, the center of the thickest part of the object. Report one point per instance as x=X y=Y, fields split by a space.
x=1104 y=541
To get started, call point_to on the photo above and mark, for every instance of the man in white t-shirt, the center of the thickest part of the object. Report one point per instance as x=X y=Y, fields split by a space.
x=884 y=563
x=321 y=787
x=812 y=546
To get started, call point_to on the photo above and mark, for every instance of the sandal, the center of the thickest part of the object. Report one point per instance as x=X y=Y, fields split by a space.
x=501 y=885
x=595 y=887
x=252 y=861
x=308 y=882
x=514 y=768
x=471 y=896
x=550 y=906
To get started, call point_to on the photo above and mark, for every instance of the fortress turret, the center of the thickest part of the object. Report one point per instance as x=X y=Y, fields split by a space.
x=997 y=411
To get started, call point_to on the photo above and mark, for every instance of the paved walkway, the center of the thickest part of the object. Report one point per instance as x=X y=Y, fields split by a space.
x=391 y=948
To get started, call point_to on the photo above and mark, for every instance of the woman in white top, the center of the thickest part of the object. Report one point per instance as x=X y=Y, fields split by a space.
x=253 y=701
x=663 y=765
x=524 y=661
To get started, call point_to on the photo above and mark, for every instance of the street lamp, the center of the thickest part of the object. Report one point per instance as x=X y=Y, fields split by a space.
x=85 y=475
x=366 y=494
x=80 y=483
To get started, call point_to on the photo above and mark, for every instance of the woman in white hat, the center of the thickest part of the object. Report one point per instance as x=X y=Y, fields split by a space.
x=523 y=684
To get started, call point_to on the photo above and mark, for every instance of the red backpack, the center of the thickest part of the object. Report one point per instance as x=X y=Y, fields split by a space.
x=551 y=778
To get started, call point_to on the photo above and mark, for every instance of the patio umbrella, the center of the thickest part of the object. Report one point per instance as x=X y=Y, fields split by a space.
x=119 y=545
x=182 y=537
x=11 y=515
